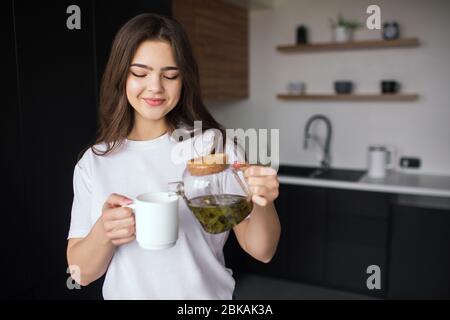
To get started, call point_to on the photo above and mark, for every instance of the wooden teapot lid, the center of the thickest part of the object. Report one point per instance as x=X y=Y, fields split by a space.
x=209 y=164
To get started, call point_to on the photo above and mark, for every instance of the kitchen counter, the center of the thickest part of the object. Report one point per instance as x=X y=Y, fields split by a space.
x=394 y=182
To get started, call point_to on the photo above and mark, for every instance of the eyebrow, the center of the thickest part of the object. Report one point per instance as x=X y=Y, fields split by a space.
x=150 y=68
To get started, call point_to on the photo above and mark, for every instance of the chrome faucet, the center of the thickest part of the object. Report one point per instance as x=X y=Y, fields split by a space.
x=326 y=158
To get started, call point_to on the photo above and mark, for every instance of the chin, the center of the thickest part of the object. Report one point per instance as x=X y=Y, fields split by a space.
x=155 y=114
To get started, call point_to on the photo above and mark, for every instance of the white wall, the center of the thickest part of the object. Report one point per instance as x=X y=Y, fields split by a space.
x=419 y=128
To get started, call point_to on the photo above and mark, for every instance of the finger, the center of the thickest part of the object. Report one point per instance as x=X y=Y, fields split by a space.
x=117 y=200
x=120 y=233
x=119 y=242
x=259 y=190
x=261 y=201
x=240 y=165
x=119 y=224
x=117 y=214
x=262 y=191
x=260 y=171
x=268 y=181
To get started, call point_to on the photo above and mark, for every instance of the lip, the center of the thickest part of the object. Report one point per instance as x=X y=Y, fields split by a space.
x=153 y=102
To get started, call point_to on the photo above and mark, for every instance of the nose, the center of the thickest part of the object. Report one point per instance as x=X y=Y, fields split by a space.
x=154 y=84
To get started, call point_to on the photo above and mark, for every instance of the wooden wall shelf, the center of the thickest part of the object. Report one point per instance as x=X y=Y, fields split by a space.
x=354 y=45
x=350 y=97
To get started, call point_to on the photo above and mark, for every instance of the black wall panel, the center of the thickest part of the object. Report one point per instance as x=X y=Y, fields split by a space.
x=49 y=118
x=15 y=239
x=57 y=81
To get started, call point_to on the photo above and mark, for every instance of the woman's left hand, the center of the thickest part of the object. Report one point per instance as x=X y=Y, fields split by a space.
x=263 y=184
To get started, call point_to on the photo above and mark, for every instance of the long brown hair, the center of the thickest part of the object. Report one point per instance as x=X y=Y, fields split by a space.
x=116 y=116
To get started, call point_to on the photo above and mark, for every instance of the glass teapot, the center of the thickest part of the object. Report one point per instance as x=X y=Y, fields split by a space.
x=214 y=192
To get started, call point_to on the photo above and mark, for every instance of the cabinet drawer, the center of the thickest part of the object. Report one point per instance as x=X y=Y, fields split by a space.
x=347 y=267
x=360 y=203
x=308 y=208
x=307 y=257
x=420 y=256
x=358 y=230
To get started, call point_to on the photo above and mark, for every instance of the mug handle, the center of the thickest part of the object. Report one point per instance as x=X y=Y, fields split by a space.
x=390 y=159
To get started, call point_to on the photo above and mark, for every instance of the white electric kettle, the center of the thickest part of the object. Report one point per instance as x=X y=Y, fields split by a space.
x=381 y=158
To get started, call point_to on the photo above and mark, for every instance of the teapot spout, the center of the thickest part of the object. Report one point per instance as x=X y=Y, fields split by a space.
x=177 y=187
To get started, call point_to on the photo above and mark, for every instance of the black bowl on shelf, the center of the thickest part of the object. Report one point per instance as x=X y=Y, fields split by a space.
x=343 y=87
x=390 y=87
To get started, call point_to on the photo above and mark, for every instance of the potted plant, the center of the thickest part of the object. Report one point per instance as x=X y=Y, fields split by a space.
x=343 y=29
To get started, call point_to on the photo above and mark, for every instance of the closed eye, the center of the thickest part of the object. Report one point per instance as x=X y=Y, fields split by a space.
x=144 y=75
x=172 y=77
x=138 y=75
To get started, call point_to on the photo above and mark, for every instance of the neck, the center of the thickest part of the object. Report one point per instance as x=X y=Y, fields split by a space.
x=147 y=130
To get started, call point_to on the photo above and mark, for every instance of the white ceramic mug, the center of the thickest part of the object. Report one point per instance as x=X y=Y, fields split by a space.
x=157 y=219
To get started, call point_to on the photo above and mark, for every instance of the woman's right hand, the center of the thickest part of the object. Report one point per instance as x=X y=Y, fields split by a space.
x=118 y=221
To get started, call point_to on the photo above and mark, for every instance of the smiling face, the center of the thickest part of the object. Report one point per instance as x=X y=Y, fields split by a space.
x=153 y=84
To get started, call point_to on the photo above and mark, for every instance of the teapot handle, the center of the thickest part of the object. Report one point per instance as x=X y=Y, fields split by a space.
x=241 y=167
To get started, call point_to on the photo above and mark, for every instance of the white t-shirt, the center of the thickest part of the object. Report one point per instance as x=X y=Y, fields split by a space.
x=193 y=269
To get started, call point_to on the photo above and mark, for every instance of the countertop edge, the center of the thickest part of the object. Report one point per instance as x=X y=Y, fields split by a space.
x=363 y=186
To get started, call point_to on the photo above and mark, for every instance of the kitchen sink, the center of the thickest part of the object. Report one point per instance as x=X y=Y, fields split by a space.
x=349 y=175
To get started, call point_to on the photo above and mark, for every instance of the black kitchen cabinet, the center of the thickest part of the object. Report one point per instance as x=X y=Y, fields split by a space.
x=241 y=262
x=329 y=238
x=301 y=252
x=307 y=209
x=336 y=235
x=357 y=237
x=420 y=256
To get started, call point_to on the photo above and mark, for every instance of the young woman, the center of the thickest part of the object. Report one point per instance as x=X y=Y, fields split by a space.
x=150 y=88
